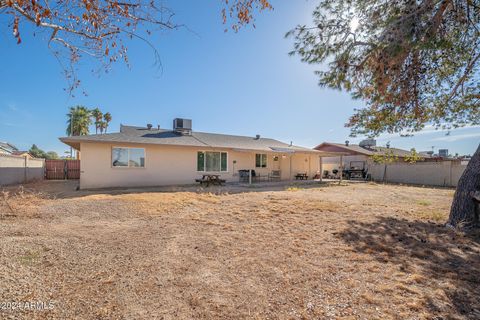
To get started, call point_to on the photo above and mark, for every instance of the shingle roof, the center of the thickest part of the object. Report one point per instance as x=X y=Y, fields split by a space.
x=7 y=146
x=129 y=134
x=356 y=149
x=19 y=152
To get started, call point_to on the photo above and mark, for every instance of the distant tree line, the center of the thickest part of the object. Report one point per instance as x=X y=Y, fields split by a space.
x=36 y=152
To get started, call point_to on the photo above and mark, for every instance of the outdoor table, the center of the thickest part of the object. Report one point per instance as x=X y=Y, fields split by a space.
x=209 y=179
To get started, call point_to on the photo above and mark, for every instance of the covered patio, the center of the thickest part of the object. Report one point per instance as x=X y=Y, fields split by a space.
x=284 y=164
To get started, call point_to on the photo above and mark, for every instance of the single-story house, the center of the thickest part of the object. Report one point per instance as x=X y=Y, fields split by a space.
x=22 y=153
x=148 y=156
x=355 y=156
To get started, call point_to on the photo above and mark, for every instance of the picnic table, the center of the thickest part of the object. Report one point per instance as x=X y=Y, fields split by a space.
x=301 y=176
x=210 y=179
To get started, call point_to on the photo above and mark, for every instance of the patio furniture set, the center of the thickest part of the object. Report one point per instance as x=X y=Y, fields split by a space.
x=247 y=176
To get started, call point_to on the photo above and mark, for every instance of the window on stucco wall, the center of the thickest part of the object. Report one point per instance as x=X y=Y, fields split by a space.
x=211 y=161
x=260 y=160
x=128 y=157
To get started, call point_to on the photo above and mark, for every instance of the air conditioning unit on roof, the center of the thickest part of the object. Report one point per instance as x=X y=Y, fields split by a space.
x=183 y=126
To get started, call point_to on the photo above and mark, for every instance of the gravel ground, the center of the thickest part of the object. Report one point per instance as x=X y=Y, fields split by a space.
x=356 y=251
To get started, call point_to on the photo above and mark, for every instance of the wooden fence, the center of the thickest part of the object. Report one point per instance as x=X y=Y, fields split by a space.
x=62 y=169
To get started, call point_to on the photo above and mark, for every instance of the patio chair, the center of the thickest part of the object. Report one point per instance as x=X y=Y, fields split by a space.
x=244 y=176
x=274 y=175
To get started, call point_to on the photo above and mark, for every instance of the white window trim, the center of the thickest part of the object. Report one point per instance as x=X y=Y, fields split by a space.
x=127 y=167
x=255 y=160
x=205 y=158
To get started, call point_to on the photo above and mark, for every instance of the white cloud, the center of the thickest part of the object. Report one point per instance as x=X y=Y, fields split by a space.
x=15 y=111
x=12 y=107
x=8 y=124
x=452 y=138
x=428 y=130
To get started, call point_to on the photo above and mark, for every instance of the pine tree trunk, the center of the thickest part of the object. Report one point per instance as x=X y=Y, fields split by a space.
x=463 y=212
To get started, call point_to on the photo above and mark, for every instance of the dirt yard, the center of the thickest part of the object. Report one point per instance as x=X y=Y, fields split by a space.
x=358 y=251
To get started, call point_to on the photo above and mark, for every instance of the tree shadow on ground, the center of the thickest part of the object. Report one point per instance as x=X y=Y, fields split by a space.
x=439 y=254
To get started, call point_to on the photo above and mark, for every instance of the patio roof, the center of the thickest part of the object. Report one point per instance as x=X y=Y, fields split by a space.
x=353 y=149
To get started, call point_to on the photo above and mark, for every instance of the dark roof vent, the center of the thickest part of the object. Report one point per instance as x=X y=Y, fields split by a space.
x=149 y=126
x=347 y=142
x=158 y=126
x=257 y=137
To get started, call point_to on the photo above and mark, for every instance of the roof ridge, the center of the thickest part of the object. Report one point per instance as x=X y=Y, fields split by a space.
x=203 y=132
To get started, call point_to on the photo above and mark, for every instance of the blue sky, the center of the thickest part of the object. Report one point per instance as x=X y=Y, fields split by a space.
x=237 y=83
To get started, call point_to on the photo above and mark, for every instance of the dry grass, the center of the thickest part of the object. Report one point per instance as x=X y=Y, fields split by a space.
x=18 y=201
x=360 y=251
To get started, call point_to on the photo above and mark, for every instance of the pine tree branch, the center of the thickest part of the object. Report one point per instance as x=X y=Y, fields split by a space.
x=462 y=79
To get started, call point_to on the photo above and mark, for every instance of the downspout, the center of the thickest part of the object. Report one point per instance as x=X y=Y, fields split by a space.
x=309 y=164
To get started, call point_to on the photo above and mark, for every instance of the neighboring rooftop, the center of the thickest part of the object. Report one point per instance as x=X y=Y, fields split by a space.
x=20 y=153
x=149 y=135
x=7 y=147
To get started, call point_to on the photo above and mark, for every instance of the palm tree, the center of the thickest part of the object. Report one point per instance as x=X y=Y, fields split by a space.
x=97 y=115
x=102 y=126
x=107 y=117
x=79 y=120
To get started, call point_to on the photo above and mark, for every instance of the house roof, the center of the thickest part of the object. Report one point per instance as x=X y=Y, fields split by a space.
x=142 y=135
x=19 y=153
x=7 y=147
x=354 y=149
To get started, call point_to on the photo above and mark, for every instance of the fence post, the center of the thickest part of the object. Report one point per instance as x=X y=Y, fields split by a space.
x=250 y=176
x=451 y=182
x=25 y=177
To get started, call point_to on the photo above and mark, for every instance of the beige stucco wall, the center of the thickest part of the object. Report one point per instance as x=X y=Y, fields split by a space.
x=173 y=165
x=17 y=169
x=444 y=173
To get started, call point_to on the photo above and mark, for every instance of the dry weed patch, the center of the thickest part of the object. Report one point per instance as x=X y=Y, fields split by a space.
x=21 y=202
x=359 y=251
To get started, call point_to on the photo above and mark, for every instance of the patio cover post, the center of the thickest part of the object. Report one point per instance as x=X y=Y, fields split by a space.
x=341 y=169
x=321 y=168
x=25 y=167
x=250 y=176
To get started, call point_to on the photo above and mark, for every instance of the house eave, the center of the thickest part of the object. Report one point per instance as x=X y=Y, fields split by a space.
x=71 y=143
